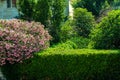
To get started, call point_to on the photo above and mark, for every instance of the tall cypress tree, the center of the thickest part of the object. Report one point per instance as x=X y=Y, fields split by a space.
x=26 y=8
x=58 y=8
x=42 y=11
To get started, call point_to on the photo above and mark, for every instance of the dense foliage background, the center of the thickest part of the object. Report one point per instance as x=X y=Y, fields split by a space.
x=94 y=6
x=94 y=24
x=49 y=13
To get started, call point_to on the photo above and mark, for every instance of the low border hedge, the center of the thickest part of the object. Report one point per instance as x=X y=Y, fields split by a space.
x=81 y=64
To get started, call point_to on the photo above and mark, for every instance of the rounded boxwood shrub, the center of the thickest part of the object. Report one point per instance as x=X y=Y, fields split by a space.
x=83 y=21
x=20 y=39
x=107 y=34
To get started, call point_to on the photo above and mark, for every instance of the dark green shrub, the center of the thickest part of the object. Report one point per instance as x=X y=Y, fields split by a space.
x=94 y=6
x=69 y=65
x=83 y=21
x=116 y=4
x=106 y=35
x=42 y=11
x=58 y=8
x=11 y=69
x=33 y=10
x=26 y=9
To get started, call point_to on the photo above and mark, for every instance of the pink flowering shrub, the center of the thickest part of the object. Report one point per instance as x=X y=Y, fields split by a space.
x=20 y=39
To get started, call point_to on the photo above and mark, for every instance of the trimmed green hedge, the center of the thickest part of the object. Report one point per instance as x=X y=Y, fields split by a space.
x=81 y=64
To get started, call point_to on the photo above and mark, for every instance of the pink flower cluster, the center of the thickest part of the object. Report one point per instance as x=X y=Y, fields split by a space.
x=20 y=39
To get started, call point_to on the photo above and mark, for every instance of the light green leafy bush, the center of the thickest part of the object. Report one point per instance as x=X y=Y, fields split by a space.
x=107 y=34
x=80 y=42
x=66 y=45
x=67 y=31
